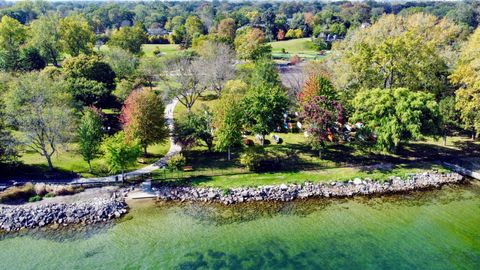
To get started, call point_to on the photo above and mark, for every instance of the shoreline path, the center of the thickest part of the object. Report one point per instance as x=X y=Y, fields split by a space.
x=174 y=149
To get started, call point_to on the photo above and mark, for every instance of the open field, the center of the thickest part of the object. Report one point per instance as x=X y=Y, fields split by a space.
x=302 y=47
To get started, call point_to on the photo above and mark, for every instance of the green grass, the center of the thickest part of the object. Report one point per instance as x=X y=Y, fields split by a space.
x=70 y=160
x=148 y=49
x=166 y=49
x=302 y=47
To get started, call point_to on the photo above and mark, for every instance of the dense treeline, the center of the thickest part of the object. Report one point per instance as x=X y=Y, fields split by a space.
x=75 y=72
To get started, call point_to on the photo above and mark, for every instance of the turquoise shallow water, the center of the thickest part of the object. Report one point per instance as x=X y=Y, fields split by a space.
x=425 y=230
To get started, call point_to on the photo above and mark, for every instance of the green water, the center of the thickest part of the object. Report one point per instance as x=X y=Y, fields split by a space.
x=430 y=230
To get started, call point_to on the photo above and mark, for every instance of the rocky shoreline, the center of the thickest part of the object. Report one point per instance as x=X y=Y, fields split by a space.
x=309 y=190
x=96 y=210
x=15 y=218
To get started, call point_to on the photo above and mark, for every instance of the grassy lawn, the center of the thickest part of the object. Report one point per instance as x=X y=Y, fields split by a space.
x=164 y=48
x=340 y=162
x=70 y=160
x=302 y=47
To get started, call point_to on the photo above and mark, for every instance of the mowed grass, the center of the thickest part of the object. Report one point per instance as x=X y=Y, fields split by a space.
x=303 y=47
x=70 y=160
x=340 y=163
x=148 y=49
x=165 y=49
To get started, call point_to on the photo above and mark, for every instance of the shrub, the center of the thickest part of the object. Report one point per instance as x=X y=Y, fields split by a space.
x=35 y=198
x=49 y=195
x=18 y=193
x=251 y=160
x=176 y=162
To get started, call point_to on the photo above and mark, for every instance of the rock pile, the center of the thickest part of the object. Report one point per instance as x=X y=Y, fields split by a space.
x=14 y=218
x=307 y=190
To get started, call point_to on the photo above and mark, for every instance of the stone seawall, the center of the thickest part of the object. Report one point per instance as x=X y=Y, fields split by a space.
x=308 y=190
x=14 y=218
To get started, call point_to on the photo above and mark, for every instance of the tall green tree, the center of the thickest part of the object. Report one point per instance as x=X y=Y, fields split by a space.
x=196 y=127
x=12 y=36
x=228 y=122
x=45 y=36
x=265 y=107
x=90 y=132
x=396 y=116
x=39 y=107
x=129 y=38
x=76 y=35
x=90 y=79
x=123 y=62
x=143 y=118
x=449 y=116
x=120 y=153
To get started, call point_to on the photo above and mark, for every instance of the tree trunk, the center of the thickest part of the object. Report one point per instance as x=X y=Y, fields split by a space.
x=89 y=166
x=145 y=150
x=444 y=139
x=320 y=153
x=263 y=139
x=229 y=154
x=473 y=134
x=49 y=160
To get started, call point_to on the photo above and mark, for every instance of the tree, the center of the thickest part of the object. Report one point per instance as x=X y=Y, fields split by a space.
x=193 y=128
x=412 y=52
x=322 y=116
x=150 y=69
x=129 y=38
x=265 y=73
x=39 y=107
x=228 y=121
x=449 y=116
x=120 y=153
x=90 y=79
x=193 y=27
x=76 y=35
x=226 y=29
x=466 y=75
x=123 y=62
x=265 y=107
x=219 y=64
x=317 y=85
x=396 y=115
x=12 y=36
x=30 y=59
x=90 y=134
x=186 y=81
x=8 y=143
x=250 y=44
x=45 y=36
x=143 y=118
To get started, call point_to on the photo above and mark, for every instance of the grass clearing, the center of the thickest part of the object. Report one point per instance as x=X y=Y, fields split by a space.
x=166 y=49
x=70 y=160
x=303 y=47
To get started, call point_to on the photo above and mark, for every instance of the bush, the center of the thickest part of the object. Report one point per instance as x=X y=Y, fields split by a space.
x=18 y=193
x=251 y=160
x=49 y=195
x=35 y=198
x=176 y=162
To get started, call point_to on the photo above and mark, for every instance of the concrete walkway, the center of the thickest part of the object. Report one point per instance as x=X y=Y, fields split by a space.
x=174 y=149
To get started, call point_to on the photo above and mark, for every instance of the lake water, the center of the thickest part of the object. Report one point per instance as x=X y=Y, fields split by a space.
x=424 y=230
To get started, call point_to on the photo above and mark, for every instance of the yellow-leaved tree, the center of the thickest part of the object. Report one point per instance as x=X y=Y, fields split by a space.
x=467 y=76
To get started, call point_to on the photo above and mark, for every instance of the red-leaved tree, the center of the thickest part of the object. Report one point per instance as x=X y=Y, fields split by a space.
x=324 y=119
x=143 y=118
